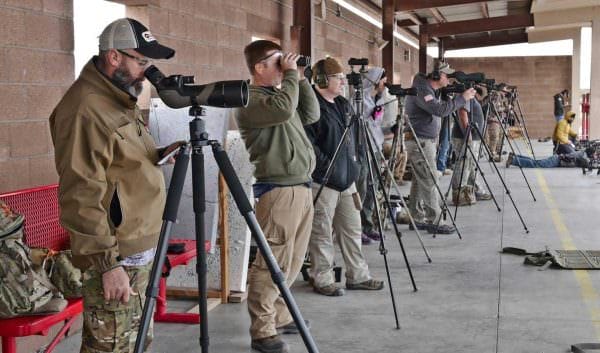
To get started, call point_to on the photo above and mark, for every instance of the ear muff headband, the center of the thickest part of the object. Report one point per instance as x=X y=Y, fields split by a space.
x=321 y=77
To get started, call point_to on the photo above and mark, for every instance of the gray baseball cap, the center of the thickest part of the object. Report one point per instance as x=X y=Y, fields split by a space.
x=127 y=33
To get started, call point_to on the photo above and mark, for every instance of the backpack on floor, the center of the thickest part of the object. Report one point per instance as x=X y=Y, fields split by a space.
x=23 y=290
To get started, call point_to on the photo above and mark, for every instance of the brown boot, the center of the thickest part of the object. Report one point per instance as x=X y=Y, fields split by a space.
x=469 y=195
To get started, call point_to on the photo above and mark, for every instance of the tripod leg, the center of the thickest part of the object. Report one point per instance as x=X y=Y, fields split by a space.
x=478 y=167
x=371 y=159
x=199 y=204
x=245 y=208
x=505 y=186
x=462 y=169
x=382 y=249
x=505 y=136
x=525 y=126
x=435 y=183
x=387 y=170
x=169 y=217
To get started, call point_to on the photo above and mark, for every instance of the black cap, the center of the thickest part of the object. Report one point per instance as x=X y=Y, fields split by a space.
x=127 y=33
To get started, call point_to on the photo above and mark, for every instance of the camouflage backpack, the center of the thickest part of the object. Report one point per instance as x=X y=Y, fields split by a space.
x=23 y=290
x=59 y=267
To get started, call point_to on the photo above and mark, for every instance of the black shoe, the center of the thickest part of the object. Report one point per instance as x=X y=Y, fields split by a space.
x=273 y=344
x=291 y=328
x=441 y=229
x=420 y=226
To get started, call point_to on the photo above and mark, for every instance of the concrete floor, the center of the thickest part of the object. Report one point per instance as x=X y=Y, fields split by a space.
x=470 y=298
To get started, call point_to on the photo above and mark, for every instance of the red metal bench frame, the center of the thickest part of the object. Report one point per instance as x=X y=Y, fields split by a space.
x=42 y=229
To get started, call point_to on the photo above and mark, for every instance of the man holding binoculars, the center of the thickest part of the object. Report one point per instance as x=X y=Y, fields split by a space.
x=281 y=103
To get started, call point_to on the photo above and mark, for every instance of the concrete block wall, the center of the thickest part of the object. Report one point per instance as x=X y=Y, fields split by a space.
x=36 y=60
x=538 y=78
x=36 y=68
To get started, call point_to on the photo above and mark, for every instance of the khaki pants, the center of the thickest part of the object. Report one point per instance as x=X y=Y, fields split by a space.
x=336 y=211
x=474 y=177
x=285 y=215
x=468 y=170
x=400 y=160
x=113 y=326
x=422 y=188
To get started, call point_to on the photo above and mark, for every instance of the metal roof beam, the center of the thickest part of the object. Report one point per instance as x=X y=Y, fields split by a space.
x=479 y=25
x=496 y=38
x=408 y=5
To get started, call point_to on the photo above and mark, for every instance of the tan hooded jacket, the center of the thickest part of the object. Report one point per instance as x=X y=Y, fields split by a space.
x=104 y=154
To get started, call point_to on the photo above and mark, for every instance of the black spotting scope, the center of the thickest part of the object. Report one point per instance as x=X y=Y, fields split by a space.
x=178 y=91
x=397 y=90
x=460 y=76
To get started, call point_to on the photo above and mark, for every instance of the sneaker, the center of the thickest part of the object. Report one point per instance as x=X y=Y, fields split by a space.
x=365 y=239
x=373 y=236
x=441 y=229
x=447 y=172
x=509 y=160
x=371 y=284
x=420 y=226
x=330 y=290
x=439 y=173
x=291 y=328
x=497 y=159
x=272 y=344
x=482 y=196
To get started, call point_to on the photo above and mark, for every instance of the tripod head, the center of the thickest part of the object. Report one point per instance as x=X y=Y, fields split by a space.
x=355 y=80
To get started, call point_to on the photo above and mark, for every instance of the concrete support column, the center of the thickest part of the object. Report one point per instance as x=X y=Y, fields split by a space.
x=595 y=81
x=575 y=85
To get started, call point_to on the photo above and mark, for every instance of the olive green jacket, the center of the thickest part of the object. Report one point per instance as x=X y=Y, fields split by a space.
x=105 y=160
x=272 y=126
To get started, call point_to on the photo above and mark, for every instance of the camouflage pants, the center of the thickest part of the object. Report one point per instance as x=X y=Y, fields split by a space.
x=112 y=326
x=493 y=137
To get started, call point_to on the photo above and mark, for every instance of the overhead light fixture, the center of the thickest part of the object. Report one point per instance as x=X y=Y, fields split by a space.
x=380 y=43
x=360 y=13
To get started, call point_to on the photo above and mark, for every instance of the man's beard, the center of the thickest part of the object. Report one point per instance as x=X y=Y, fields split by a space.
x=124 y=80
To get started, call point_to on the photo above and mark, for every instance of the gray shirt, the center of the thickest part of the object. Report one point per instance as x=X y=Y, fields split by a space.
x=426 y=109
x=475 y=116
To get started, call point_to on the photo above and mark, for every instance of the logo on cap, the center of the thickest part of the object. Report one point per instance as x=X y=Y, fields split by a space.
x=148 y=37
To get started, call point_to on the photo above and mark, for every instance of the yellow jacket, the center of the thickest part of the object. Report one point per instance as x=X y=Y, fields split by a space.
x=105 y=160
x=563 y=131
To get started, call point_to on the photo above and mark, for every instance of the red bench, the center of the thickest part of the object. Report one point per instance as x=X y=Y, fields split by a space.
x=42 y=229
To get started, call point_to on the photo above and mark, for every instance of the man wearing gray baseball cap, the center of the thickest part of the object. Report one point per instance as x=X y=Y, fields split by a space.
x=112 y=192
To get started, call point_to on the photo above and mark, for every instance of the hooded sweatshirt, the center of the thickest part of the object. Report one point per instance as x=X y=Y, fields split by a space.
x=426 y=109
x=370 y=101
x=111 y=193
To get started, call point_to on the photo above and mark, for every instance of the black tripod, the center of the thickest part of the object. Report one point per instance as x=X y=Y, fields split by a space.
x=505 y=137
x=198 y=140
x=520 y=117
